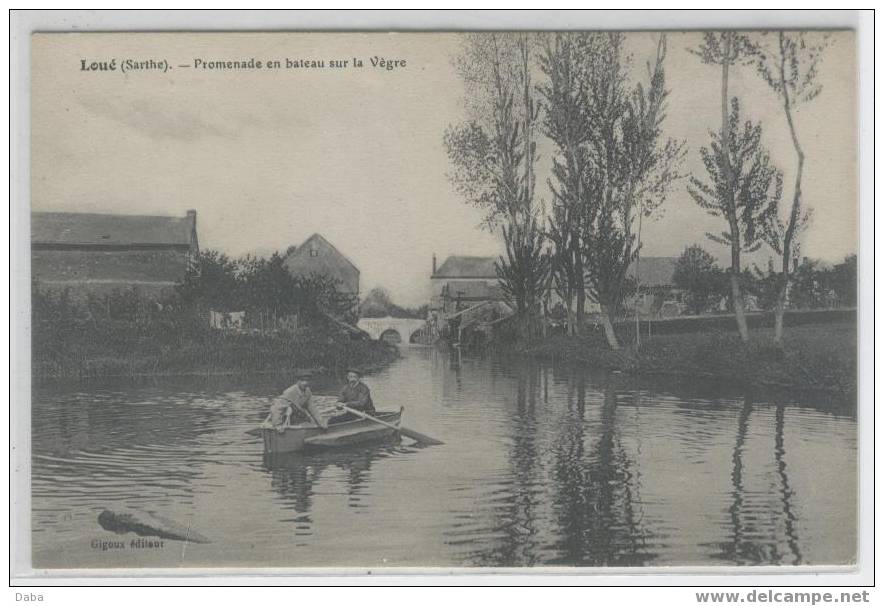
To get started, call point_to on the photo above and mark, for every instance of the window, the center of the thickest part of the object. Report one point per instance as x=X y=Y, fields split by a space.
x=314 y=252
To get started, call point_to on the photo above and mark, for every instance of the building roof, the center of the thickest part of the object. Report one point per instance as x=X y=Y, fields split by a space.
x=335 y=265
x=304 y=247
x=111 y=230
x=654 y=271
x=457 y=266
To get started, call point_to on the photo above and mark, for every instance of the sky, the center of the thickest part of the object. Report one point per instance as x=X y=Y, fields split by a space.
x=268 y=157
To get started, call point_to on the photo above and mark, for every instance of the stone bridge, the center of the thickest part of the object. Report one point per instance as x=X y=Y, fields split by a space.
x=393 y=329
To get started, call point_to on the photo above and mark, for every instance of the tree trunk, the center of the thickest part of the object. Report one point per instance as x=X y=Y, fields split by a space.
x=795 y=213
x=581 y=296
x=739 y=311
x=730 y=202
x=524 y=328
x=780 y=311
x=778 y=325
x=608 y=323
x=571 y=321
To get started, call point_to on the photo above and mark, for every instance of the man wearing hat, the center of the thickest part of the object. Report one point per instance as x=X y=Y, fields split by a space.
x=356 y=395
x=298 y=398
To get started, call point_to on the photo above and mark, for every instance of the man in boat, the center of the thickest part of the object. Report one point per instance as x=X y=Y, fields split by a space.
x=295 y=405
x=355 y=395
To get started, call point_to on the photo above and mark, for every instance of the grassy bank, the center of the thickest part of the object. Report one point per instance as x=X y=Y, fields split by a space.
x=79 y=350
x=814 y=356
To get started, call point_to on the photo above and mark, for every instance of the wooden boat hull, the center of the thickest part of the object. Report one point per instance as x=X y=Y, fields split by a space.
x=340 y=435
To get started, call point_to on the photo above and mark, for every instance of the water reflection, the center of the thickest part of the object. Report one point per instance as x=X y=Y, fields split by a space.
x=293 y=475
x=543 y=465
x=785 y=489
x=740 y=549
x=763 y=523
x=596 y=489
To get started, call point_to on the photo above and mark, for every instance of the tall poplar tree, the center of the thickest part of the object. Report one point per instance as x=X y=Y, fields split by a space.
x=788 y=62
x=726 y=49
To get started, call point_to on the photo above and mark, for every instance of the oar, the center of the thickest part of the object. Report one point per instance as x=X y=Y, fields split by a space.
x=257 y=430
x=414 y=435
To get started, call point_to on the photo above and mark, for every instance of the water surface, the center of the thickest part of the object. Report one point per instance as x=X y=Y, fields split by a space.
x=542 y=466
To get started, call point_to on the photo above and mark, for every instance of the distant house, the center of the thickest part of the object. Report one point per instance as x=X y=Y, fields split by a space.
x=86 y=253
x=462 y=282
x=657 y=294
x=318 y=256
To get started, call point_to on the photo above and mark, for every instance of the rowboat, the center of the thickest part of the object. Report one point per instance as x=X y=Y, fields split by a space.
x=306 y=436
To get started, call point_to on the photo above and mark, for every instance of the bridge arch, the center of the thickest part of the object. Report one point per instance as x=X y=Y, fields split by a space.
x=391 y=335
x=405 y=328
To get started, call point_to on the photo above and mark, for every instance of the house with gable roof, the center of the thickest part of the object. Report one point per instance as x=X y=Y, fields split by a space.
x=462 y=282
x=317 y=256
x=91 y=253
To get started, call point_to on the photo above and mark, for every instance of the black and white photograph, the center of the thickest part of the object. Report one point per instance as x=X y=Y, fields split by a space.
x=573 y=300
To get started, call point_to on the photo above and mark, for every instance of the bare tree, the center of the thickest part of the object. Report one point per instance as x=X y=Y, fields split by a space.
x=788 y=62
x=726 y=49
x=744 y=188
x=493 y=156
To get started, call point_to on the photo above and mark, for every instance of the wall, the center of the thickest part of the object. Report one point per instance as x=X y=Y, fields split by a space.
x=328 y=262
x=103 y=271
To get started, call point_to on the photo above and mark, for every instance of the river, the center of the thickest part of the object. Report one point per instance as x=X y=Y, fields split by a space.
x=543 y=465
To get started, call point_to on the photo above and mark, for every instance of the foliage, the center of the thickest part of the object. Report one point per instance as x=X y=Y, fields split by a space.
x=788 y=63
x=378 y=304
x=564 y=62
x=470 y=154
x=819 y=355
x=814 y=285
x=216 y=282
x=697 y=273
x=317 y=295
x=744 y=187
x=613 y=164
x=842 y=280
x=790 y=70
x=72 y=339
x=809 y=287
x=493 y=159
x=765 y=285
x=724 y=48
x=492 y=155
x=524 y=272
x=211 y=281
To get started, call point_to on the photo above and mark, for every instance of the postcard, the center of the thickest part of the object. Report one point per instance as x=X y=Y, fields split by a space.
x=573 y=300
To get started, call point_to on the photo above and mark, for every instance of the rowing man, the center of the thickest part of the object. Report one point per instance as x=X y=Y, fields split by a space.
x=297 y=398
x=355 y=395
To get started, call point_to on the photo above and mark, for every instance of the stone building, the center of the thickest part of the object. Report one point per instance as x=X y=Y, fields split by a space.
x=462 y=282
x=87 y=253
x=318 y=256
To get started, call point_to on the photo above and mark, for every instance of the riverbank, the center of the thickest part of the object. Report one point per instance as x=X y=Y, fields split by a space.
x=122 y=349
x=818 y=357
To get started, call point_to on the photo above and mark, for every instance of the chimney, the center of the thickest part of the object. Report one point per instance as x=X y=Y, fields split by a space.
x=194 y=241
x=434 y=264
